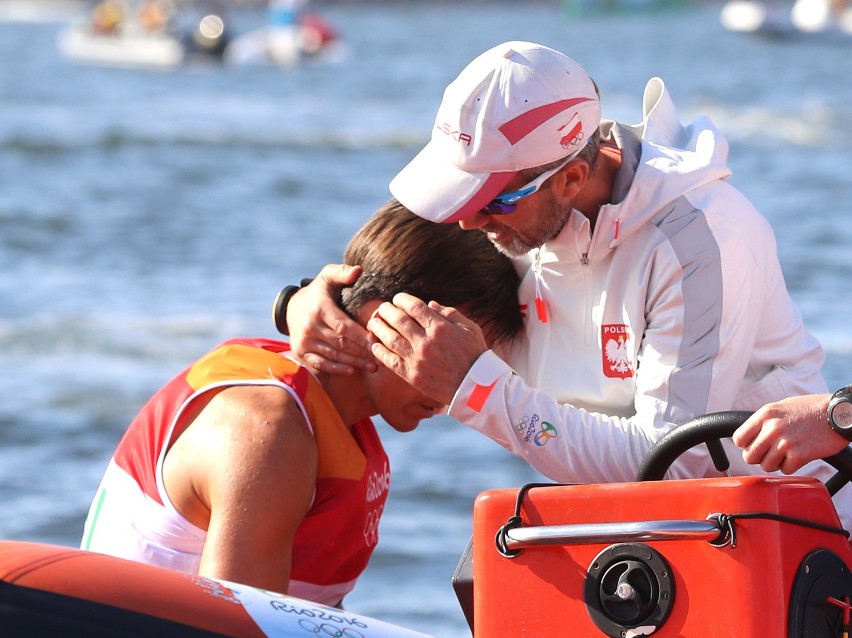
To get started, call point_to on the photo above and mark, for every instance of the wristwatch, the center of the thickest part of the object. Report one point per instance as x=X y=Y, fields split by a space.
x=840 y=412
x=279 y=306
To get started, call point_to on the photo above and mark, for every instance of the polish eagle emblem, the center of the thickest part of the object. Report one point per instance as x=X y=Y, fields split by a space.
x=617 y=351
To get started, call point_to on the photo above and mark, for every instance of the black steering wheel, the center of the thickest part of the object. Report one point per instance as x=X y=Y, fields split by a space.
x=710 y=429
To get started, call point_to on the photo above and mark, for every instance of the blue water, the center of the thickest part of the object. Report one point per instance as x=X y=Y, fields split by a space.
x=145 y=216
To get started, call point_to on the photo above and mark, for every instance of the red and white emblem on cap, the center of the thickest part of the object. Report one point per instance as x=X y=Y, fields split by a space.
x=617 y=350
x=572 y=133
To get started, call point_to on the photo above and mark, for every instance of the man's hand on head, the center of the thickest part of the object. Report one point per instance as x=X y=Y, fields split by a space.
x=429 y=345
x=321 y=334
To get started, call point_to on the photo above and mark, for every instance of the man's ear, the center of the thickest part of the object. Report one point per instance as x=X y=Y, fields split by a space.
x=574 y=175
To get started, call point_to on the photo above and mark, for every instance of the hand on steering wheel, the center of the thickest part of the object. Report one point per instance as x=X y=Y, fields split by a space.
x=712 y=428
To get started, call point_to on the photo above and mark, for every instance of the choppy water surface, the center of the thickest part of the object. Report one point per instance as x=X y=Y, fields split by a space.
x=145 y=216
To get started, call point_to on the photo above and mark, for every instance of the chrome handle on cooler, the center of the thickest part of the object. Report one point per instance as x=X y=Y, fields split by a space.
x=523 y=537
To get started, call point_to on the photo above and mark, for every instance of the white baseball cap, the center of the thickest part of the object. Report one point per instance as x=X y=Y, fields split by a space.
x=516 y=106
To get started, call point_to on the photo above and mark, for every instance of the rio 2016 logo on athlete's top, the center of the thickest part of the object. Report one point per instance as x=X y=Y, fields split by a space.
x=371 y=526
x=378 y=484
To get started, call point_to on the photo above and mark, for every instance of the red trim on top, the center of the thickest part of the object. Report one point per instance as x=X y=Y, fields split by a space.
x=519 y=127
x=479 y=396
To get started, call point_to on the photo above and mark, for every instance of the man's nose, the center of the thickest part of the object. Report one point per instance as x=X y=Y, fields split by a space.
x=477 y=220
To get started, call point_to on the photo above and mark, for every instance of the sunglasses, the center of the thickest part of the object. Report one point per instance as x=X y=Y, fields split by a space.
x=507 y=202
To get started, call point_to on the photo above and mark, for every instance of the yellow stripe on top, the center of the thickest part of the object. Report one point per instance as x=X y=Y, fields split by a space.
x=339 y=454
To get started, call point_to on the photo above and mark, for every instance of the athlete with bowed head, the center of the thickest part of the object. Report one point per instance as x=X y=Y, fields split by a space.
x=249 y=468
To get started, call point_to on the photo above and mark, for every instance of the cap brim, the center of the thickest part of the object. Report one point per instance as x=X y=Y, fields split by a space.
x=439 y=191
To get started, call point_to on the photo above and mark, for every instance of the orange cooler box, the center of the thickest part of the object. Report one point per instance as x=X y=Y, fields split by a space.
x=636 y=559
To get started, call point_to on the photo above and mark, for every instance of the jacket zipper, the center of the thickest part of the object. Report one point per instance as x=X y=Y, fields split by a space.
x=583 y=245
x=540 y=303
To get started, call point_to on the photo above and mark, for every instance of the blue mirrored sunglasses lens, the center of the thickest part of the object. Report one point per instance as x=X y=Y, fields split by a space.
x=496 y=207
x=511 y=198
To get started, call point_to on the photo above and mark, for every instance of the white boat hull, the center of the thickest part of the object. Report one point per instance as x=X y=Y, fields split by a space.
x=140 y=51
x=806 y=18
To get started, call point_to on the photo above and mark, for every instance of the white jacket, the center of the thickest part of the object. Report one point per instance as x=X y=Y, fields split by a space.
x=674 y=307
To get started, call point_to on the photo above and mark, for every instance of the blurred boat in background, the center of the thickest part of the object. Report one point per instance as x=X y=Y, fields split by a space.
x=826 y=19
x=81 y=44
x=576 y=8
x=41 y=11
x=310 y=37
x=165 y=34
x=152 y=34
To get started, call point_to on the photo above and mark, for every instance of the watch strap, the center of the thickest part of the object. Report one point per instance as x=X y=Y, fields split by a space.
x=282 y=300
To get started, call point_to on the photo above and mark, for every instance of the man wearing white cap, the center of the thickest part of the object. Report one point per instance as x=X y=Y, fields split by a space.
x=652 y=287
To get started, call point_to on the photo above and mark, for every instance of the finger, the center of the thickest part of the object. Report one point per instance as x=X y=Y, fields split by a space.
x=321 y=364
x=447 y=312
x=432 y=382
x=745 y=434
x=341 y=353
x=451 y=314
x=416 y=309
x=388 y=358
x=772 y=460
x=396 y=319
x=757 y=450
x=339 y=274
x=792 y=464
x=386 y=328
x=348 y=337
x=348 y=356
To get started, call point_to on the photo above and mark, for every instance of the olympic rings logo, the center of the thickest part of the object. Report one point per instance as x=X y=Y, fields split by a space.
x=575 y=134
x=326 y=630
x=371 y=527
x=573 y=141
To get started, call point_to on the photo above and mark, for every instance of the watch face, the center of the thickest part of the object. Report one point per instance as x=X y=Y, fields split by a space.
x=842 y=414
